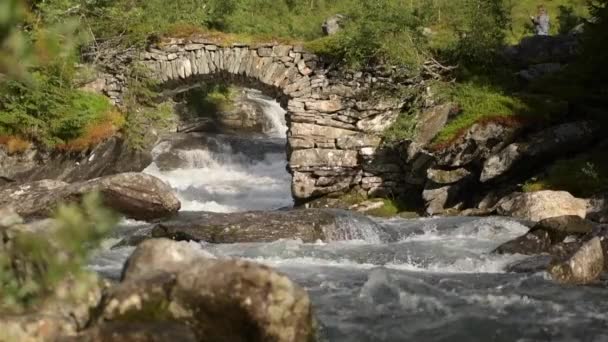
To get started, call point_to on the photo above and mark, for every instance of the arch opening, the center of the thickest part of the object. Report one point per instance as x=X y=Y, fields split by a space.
x=229 y=151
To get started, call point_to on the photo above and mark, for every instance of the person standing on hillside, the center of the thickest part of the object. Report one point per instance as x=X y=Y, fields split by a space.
x=541 y=22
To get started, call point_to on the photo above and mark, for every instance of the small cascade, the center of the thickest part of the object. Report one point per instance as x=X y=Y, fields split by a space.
x=275 y=125
x=354 y=226
x=224 y=173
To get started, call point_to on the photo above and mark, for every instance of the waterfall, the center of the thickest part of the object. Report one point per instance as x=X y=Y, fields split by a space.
x=275 y=125
x=222 y=173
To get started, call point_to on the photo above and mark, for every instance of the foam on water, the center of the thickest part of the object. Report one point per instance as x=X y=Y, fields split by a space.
x=227 y=180
x=275 y=125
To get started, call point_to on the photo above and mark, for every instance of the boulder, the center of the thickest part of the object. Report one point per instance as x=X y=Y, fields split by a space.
x=164 y=255
x=431 y=122
x=110 y=157
x=561 y=227
x=582 y=267
x=558 y=236
x=332 y=25
x=439 y=197
x=308 y=225
x=533 y=264
x=136 y=195
x=597 y=208
x=534 y=242
x=536 y=206
x=476 y=144
x=538 y=148
x=221 y=300
x=447 y=176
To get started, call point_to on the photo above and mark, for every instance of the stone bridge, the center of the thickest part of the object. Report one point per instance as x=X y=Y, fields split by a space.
x=335 y=118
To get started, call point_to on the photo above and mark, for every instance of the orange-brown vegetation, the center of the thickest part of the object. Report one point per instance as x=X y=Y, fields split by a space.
x=14 y=144
x=95 y=133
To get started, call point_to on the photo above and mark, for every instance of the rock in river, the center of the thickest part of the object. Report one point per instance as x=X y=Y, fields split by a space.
x=308 y=225
x=535 y=206
x=220 y=300
x=582 y=267
x=136 y=195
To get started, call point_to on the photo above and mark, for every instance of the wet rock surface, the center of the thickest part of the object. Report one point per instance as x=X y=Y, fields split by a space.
x=584 y=266
x=308 y=225
x=108 y=158
x=220 y=300
x=571 y=249
x=134 y=195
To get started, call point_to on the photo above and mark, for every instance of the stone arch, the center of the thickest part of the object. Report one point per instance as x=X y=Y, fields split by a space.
x=333 y=134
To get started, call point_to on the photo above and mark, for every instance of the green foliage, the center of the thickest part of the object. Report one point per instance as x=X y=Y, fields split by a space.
x=480 y=28
x=143 y=114
x=33 y=263
x=47 y=108
x=582 y=176
x=208 y=100
x=403 y=129
x=476 y=103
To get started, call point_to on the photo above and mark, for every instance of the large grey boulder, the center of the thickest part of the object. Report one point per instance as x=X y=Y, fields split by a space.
x=162 y=255
x=309 y=225
x=476 y=144
x=439 y=198
x=534 y=242
x=432 y=121
x=582 y=267
x=221 y=300
x=539 y=147
x=536 y=206
x=548 y=235
x=135 y=195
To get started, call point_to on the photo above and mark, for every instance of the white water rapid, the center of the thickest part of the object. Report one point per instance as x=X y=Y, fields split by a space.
x=223 y=173
x=431 y=279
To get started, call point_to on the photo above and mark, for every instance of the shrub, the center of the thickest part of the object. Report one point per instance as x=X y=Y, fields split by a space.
x=582 y=176
x=33 y=263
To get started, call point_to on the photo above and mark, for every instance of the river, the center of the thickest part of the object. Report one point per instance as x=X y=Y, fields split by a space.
x=428 y=279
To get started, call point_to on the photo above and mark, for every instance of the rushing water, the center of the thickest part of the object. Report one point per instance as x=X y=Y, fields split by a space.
x=401 y=280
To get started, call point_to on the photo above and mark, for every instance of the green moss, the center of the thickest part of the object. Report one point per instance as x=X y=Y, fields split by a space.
x=403 y=129
x=479 y=103
x=389 y=209
x=582 y=176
